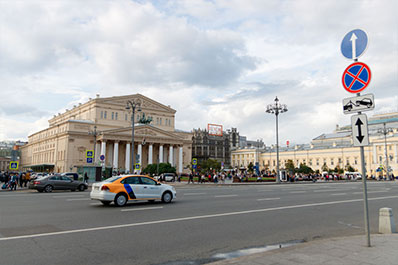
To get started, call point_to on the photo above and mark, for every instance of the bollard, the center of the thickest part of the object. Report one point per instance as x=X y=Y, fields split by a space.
x=386 y=221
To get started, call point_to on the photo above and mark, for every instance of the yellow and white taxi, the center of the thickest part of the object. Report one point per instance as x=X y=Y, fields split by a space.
x=121 y=189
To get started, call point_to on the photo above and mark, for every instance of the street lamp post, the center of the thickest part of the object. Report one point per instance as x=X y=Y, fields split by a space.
x=385 y=131
x=276 y=108
x=94 y=133
x=132 y=105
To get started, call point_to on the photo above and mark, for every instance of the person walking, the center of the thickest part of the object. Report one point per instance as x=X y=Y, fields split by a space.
x=190 y=179
x=85 y=177
x=13 y=182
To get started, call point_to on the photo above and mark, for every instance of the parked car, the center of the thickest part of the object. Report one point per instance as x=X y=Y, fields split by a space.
x=121 y=189
x=170 y=177
x=56 y=182
x=72 y=175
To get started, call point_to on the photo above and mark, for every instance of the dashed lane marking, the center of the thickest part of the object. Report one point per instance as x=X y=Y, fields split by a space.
x=226 y=196
x=268 y=199
x=141 y=209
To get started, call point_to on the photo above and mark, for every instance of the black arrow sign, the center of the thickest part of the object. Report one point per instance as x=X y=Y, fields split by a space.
x=360 y=136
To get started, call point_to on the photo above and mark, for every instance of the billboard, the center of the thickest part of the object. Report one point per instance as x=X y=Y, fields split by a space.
x=214 y=129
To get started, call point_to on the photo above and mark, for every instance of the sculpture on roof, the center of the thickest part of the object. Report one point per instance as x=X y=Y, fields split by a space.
x=145 y=120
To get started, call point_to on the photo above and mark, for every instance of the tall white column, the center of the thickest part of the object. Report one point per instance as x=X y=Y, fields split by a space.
x=97 y=152
x=171 y=155
x=161 y=154
x=116 y=155
x=150 y=154
x=396 y=153
x=103 y=149
x=180 y=161
x=127 y=162
x=374 y=154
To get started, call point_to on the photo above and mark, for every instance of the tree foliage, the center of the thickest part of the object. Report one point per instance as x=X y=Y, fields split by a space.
x=304 y=169
x=163 y=168
x=209 y=164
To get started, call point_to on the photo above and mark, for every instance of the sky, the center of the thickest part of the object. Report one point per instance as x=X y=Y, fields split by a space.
x=219 y=61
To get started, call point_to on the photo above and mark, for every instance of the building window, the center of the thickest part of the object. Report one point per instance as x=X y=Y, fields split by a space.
x=125 y=117
x=115 y=115
x=317 y=162
x=331 y=162
x=356 y=161
x=380 y=159
x=160 y=121
x=105 y=114
x=102 y=114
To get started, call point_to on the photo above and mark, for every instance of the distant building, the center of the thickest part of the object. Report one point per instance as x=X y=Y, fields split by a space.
x=4 y=163
x=332 y=150
x=205 y=146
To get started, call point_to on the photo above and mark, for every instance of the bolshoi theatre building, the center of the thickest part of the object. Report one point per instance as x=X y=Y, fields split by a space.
x=104 y=126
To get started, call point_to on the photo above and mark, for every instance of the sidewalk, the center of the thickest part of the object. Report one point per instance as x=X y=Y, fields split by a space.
x=335 y=251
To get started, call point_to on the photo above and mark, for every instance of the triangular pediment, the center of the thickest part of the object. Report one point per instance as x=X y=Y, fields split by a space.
x=147 y=104
x=144 y=131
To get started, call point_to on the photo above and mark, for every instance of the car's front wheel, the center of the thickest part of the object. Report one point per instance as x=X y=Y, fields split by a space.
x=48 y=188
x=167 y=197
x=81 y=187
x=120 y=200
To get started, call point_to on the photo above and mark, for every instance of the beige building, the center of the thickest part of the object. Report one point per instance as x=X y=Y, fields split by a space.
x=333 y=150
x=104 y=125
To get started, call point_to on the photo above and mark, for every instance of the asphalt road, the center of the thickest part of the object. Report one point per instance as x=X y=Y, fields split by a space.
x=205 y=220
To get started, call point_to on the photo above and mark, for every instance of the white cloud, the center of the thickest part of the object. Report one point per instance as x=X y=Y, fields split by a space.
x=213 y=61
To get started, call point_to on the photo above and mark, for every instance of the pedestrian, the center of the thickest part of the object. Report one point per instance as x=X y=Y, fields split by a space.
x=13 y=182
x=85 y=177
x=190 y=179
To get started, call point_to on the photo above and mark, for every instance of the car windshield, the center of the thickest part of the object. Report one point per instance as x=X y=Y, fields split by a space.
x=112 y=179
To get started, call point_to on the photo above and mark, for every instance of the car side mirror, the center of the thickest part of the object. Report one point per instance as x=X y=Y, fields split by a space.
x=158 y=183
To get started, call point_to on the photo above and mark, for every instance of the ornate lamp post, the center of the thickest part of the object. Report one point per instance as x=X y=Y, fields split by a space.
x=276 y=108
x=132 y=105
x=385 y=131
x=94 y=133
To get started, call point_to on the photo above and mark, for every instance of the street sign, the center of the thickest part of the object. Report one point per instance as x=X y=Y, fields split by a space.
x=359 y=103
x=14 y=165
x=137 y=166
x=194 y=166
x=89 y=160
x=102 y=157
x=354 y=44
x=89 y=153
x=194 y=161
x=359 y=127
x=356 y=77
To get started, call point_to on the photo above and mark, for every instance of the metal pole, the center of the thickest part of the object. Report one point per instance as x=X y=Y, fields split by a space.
x=277 y=150
x=132 y=138
x=95 y=140
x=385 y=150
x=365 y=195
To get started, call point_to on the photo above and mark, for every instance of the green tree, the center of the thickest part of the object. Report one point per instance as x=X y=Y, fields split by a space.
x=349 y=168
x=208 y=164
x=290 y=166
x=325 y=168
x=163 y=168
x=304 y=169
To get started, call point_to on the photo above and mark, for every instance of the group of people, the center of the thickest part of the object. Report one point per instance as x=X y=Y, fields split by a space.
x=11 y=180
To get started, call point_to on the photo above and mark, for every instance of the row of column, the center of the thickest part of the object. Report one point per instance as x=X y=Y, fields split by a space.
x=139 y=152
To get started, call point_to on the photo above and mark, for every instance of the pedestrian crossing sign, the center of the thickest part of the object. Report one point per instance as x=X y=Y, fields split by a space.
x=14 y=165
x=89 y=153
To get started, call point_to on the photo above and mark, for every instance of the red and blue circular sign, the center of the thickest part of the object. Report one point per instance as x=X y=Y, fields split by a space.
x=356 y=77
x=102 y=157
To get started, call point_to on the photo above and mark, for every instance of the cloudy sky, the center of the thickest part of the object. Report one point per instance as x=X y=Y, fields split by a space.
x=219 y=61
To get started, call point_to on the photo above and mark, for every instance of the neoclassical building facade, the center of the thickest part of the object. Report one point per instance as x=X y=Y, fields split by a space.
x=332 y=150
x=104 y=126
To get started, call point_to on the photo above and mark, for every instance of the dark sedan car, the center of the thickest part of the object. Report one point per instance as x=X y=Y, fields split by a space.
x=57 y=182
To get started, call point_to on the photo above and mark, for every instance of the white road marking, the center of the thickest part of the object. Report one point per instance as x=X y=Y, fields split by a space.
x=189 y=218
x=299 y=191
x=327 y=190
x=198 y=193
x=268 y=199
x=225 y=196
x=381 y=191
x=68 y=196
x=141 y=209
x=338 y=194
x=79 y=199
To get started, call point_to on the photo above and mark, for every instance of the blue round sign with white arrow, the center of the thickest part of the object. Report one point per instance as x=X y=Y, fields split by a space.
x=354 y=44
